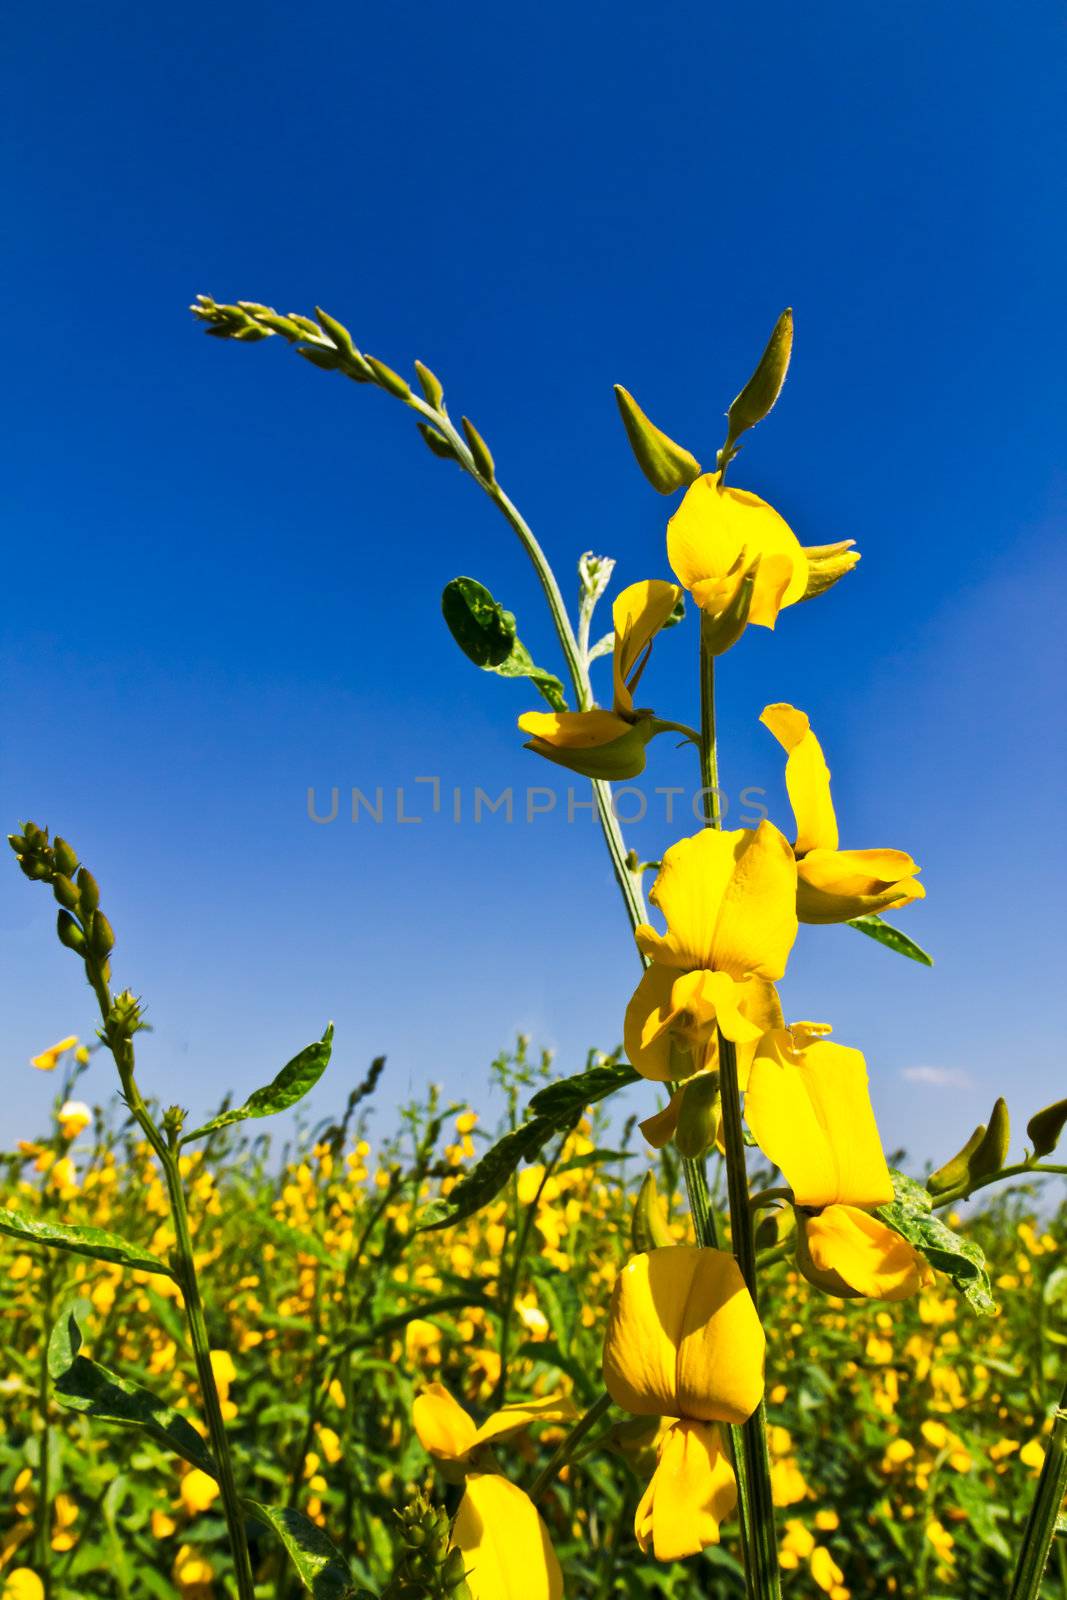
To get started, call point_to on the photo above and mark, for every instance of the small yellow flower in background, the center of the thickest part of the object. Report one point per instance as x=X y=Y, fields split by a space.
x=506 y=1547
x=832 y=885
x=941 y=1539
x=22 y=1584
x=198 y=1491
x=729 y=899
x=451 y=1435
x=73 y=1117
x=683 y=1340
x=795 y=1544
x=810 y=1112
x=610 y=744
x=1032 y=1455
x=49 y=1059
x=826 y=1573
x=162 y=1525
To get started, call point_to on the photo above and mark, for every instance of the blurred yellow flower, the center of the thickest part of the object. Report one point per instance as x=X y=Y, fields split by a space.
x=451 y=1436
x=729 y=899
x=610 y=744
x=506 y=1547
x=73 y=1116
x=198 y=1491
x=48 y=1059
x=22 y=1584
x=832 y=885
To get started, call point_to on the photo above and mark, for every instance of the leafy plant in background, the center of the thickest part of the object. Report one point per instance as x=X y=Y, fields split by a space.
x=684 y=1333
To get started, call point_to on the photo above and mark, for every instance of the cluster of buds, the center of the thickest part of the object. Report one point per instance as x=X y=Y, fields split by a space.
x=427 y=1567
x=81 y=925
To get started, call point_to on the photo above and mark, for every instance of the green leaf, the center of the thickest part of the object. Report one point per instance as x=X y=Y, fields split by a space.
x=557 y=1106
x=876 y=928
x=83 y=1385
x=319 y=1564
x=910 y=1215
x=485 y=632
x=296 y=1079
x=96 y=1243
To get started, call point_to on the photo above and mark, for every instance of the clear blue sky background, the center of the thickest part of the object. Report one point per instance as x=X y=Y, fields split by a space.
x=224 y=567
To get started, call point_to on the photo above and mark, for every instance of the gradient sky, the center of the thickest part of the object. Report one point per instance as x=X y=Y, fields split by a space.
x=224 y=567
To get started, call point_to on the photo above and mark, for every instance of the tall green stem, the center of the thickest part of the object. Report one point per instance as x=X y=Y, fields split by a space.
x=121 y=1048
x=1044 y=1512
x=752 y=1459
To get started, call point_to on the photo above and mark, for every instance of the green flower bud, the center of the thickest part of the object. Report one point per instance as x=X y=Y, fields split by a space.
x=389 y=380
x=88 y=891
x=648 y=1224
x=991 y=1151
x=956 y=1171
x=698 y=1115
x=65 y=859
x=65 y=892
x=101 y=938
x=483 y=459
x=70 y=933
x=1045 y=1127
x=761 y=391
x=666 y=465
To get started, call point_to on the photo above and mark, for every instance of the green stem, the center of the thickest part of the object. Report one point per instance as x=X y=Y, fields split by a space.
x=1044 y=1511
x=121 y=1048
x=185 y=1267
x=752 y=1463
x=566 y=1447
x=507 y=1304
x=42 y=1540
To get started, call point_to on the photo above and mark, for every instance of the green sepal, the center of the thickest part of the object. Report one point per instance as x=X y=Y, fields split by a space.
x=296 y=1079
x=875 y=927
x=97 y=1243
x=666 y=465
x=910 y=1215
x=85 y=1386
x=613 y=762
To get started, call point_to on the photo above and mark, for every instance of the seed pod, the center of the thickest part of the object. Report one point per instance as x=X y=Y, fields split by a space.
x=990 y=1153
x=957 y=1170
x=666 y=465
x=483 y=459
x=761 y=391
x=1045 y=1127
x=648 y=1225
x=70 y=934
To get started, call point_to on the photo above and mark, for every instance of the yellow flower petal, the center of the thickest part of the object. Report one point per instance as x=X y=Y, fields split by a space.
x=836 y=885
x=443 y=1427
x=598 y=744
x=810 y=1113
x=807 y=778
x=683 y=1337
x=573 y=730
x=46 y=1061
x=729 y=898
x=692 y=1490
x=505 y=1544
x=711 y=529
x=510 y=1419
x=867 y=1255
x=639 y=613
x=22 y=1584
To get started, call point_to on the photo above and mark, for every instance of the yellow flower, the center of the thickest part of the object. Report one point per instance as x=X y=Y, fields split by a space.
x=506 y=1547
x=449 y=1432
x=46 y=1061
x=729 y=899
x=690 y=1493
x=722 y=538
x=810 y=1112
x=73 y=1116
x=684 y=1341
x=832 y=885
x=610 y=744
x=22 y=1584
x=198 y=1491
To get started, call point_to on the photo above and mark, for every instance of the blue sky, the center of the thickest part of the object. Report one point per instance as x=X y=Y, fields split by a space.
x=225 y=567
